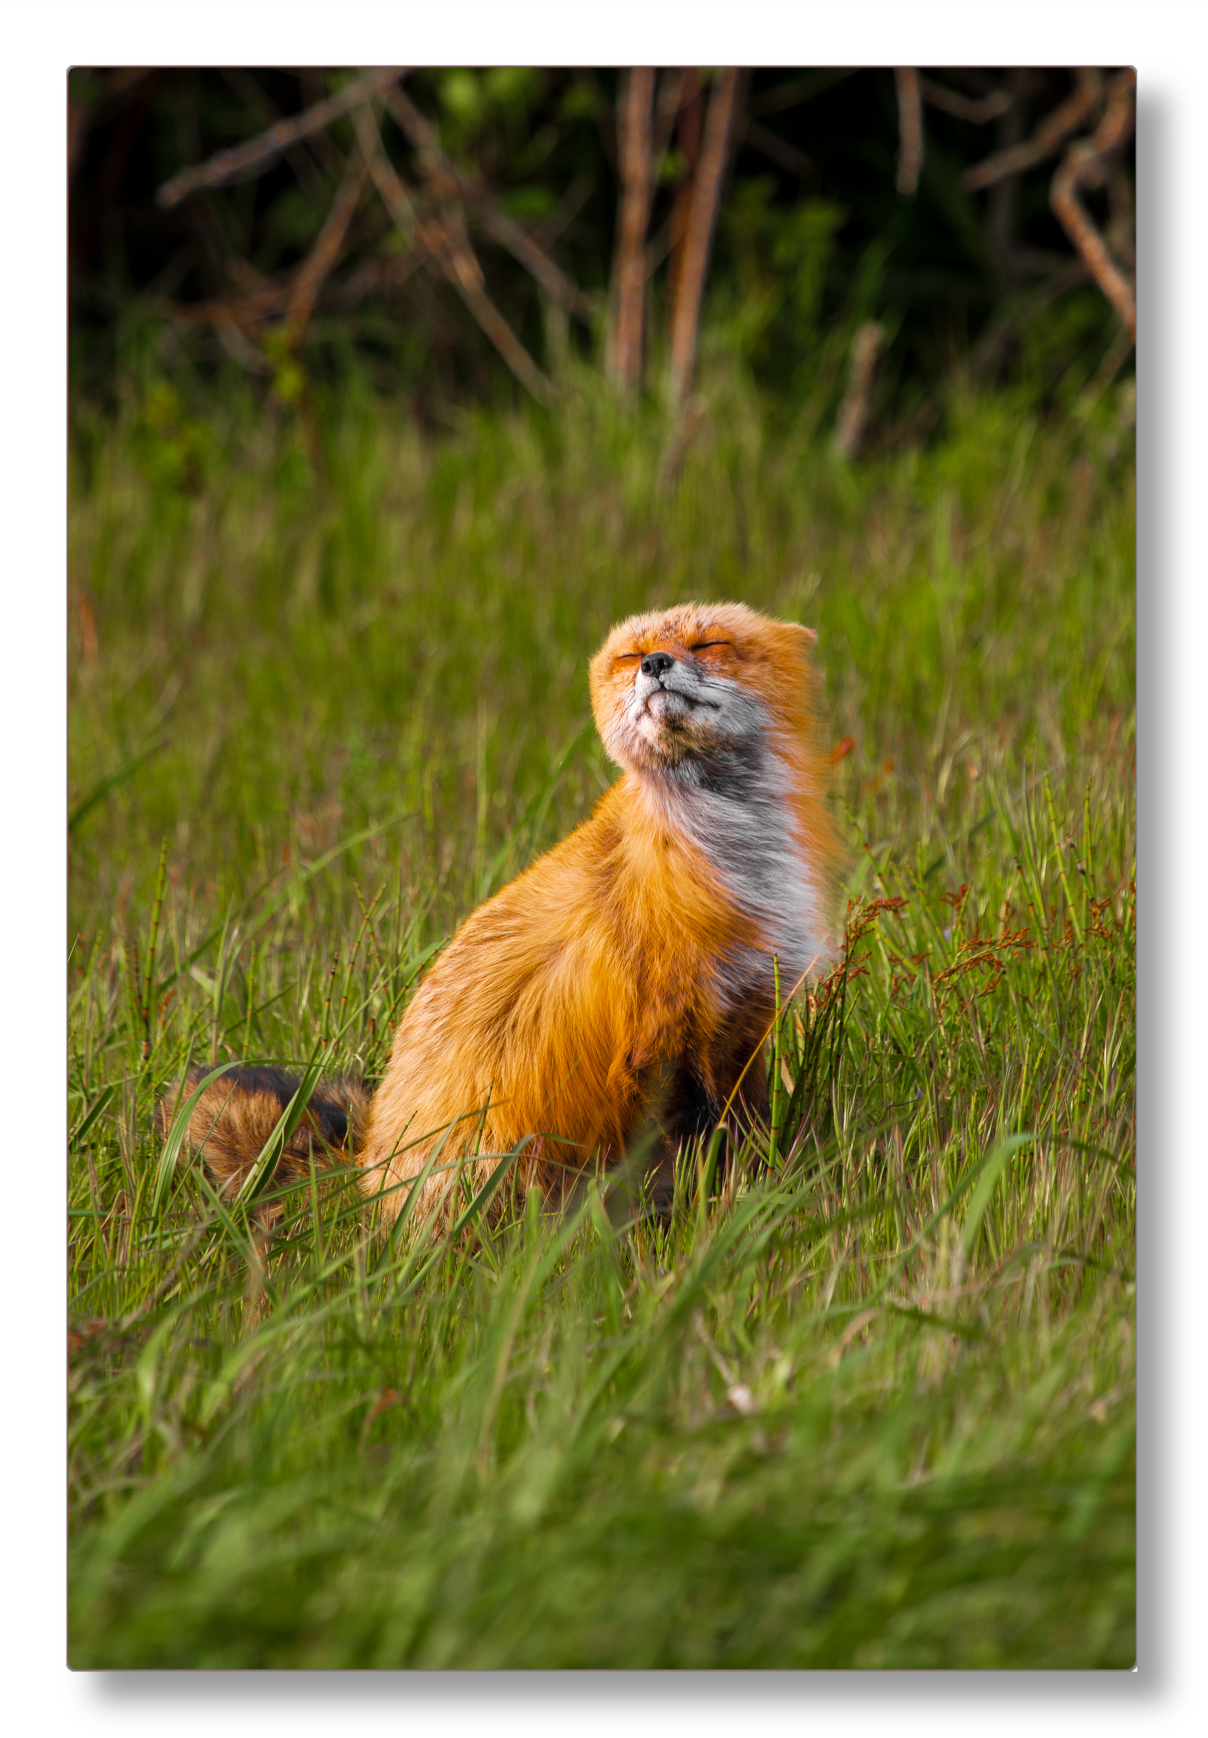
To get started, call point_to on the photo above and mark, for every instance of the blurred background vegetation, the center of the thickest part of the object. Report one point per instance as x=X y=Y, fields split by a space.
x=813 y=234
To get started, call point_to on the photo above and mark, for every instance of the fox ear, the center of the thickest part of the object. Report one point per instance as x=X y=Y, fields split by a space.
x=809 y=635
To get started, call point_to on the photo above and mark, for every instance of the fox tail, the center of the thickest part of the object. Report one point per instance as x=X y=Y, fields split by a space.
x=237 y=1113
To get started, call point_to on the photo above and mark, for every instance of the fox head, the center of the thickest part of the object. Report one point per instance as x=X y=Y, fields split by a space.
x=674 y=690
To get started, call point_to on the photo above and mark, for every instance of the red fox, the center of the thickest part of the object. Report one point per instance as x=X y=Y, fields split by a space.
x=627 y=975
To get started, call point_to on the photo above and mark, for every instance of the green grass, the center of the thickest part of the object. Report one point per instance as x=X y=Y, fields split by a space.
x=871 y=1403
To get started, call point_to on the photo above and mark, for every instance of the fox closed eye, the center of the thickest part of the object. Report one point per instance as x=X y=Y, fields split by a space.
x=705 y=644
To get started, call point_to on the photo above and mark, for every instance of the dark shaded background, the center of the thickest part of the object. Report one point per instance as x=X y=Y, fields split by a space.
x=812 y=237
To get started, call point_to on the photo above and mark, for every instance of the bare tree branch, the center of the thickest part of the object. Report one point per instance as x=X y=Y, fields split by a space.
x=634 y=150
x=451 y=182
x=1048 y=137
x=689 y=128
x=380 y=272
x=324 y=253
x=680 y=99
x=784 y=155
x=910 y=130
x=702 y=215
x=799 y=90
x=543 y=232
x=666 y=108
x=299 y=156
x=386 y=178
x=533 y=257
x=445 y=239
x=1085 y=166
x=231 y=323
x=256 y=153
x=1002 y=203
x=975 y=109
x=241 y=323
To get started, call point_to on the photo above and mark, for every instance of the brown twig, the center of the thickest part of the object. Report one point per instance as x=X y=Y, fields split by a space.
x=232 y=321
x=256 y=153
x=910 y=130
x=664 y=240
x=533 y=257
x=975 y=109
x=545 y=231
x=1002 y=202
x=395 y=196
x=445 y=239
x=688 y=133
x=666 y=109
x=465 y=274
x=1049 y=136
x=323 y=254
x=1084 y=166
x=449 y=182
x=784 y=155
x=300 y=156
x=702 y=216
x=250 y=311
x=799 y=90
x=634 y=151
x=853 y=412
x=381 y=272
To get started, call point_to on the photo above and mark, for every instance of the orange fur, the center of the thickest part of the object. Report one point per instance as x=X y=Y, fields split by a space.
x=236 y=1114
x=628 y=972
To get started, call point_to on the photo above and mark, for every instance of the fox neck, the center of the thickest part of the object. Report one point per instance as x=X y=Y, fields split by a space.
x=737 y=810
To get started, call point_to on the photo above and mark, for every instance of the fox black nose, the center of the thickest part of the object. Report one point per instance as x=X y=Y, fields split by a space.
x=654 y=663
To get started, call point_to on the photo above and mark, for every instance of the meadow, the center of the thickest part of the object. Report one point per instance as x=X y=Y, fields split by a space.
x=865 y=1399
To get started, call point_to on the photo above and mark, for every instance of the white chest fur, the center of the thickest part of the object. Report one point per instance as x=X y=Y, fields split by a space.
x=737 y=812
